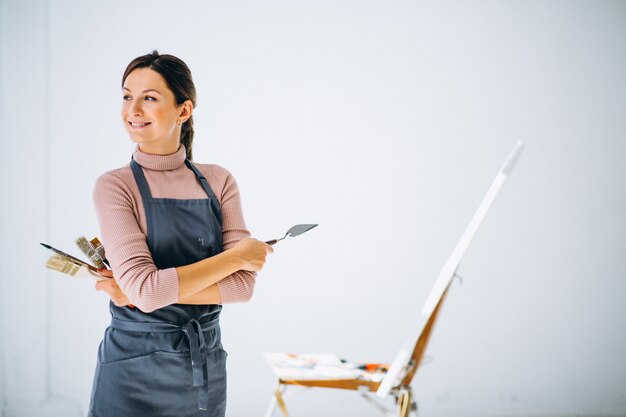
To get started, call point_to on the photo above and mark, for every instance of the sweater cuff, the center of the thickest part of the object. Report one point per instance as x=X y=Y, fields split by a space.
x=238 y=287
x=168 y=286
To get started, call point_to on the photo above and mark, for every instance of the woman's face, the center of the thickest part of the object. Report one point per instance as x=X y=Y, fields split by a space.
x=150 y=113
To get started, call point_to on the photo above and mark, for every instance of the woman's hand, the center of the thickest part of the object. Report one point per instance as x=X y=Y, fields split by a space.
x=112 y=289
x=251 y=253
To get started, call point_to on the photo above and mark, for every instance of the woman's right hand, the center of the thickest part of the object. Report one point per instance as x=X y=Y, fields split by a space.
x=251 y=253
x=111 y=287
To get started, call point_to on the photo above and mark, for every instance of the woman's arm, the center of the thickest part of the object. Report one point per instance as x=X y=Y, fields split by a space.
x=150 y=288
x=248 y=255
x=209 y=295
x=239 y=286
x=198 y=281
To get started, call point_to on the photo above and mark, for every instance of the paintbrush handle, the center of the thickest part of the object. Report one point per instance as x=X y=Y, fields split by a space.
x=67 y=255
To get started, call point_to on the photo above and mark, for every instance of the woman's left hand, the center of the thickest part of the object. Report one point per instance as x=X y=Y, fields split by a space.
x=112 y=289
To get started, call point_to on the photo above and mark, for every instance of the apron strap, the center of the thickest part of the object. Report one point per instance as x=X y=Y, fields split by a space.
x=140 y=178
x=201 y=179
x=145 y=190
x=194 y=330
x=207 y=189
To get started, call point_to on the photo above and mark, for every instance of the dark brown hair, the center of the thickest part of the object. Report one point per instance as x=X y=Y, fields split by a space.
x=177 y=76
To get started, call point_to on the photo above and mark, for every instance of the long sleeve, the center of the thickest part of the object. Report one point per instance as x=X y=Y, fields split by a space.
x=144 y=284
x=239 y=286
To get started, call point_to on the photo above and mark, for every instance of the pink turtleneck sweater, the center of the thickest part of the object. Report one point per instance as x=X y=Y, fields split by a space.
x=123 y=230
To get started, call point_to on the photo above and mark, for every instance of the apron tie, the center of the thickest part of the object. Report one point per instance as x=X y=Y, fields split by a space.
x=197 y=346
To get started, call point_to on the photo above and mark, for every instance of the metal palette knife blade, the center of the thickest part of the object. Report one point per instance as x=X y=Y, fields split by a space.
x=293 y=231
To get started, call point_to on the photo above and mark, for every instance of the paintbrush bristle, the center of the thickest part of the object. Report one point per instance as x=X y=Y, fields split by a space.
x=90 y=251
x=62 y=264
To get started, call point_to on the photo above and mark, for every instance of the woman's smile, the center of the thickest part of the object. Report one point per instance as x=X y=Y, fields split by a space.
x=138 y=125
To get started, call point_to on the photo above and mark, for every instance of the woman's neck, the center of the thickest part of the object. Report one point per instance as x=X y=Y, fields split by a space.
x=161 y=149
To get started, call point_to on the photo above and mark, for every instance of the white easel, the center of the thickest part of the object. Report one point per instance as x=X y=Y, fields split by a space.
x=397 y=380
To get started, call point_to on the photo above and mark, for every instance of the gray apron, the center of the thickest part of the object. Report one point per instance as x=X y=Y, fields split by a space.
x=169 y=362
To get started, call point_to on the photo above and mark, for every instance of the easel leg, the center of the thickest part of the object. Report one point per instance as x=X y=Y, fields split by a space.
x=278 y=394
x=404 y=402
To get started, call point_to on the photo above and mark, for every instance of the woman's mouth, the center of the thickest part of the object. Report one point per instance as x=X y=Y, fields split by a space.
x=138 y=125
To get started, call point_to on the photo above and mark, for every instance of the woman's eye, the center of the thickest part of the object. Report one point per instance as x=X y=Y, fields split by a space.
x=126 y=98
x=149 y=98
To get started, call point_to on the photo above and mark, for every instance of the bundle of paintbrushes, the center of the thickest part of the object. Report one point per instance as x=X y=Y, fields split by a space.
x=70 y=265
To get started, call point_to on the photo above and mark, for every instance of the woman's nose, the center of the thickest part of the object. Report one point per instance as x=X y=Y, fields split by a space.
x=135 y=108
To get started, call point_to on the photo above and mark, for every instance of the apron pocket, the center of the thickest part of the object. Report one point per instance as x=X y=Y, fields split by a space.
x=157 y=384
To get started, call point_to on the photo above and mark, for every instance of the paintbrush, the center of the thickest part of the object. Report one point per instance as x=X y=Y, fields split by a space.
x=68 y=266
x=70 y=257
x=93 y=250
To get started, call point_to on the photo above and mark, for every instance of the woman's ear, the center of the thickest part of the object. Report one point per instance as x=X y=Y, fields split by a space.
x=185 y=111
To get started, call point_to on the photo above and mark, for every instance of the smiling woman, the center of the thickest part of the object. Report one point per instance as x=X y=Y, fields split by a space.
x=152 y=113
x=178 y=248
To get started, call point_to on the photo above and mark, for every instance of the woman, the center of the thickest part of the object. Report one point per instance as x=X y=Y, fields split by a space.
x=178 y=247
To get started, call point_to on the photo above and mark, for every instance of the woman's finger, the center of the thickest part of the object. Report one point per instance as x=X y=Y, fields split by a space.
x=107 y=285
x=105 y=272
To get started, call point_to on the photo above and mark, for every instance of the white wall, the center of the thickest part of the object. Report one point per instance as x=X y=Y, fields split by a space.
x=2 y=234
x=385 y=123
